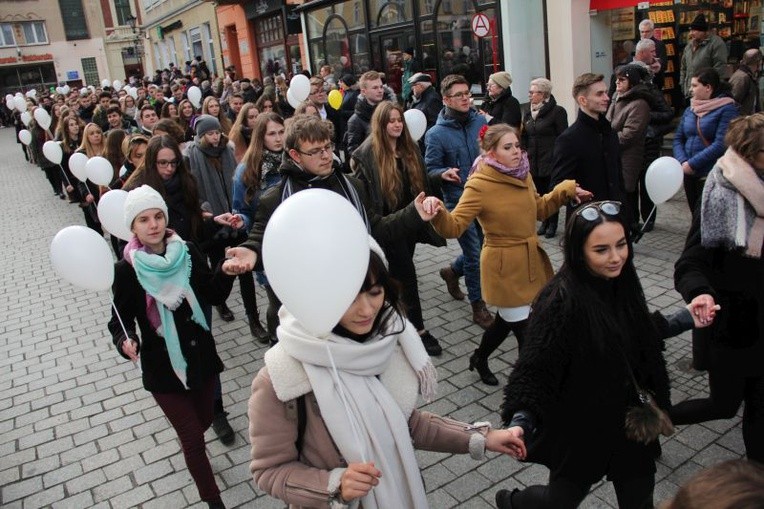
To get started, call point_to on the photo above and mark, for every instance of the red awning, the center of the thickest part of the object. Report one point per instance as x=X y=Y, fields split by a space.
x=602 y=5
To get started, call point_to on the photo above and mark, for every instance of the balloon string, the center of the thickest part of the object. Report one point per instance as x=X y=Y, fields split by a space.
x=352 y=422
x=124 y=329
x=68 y=182
x=639 y=235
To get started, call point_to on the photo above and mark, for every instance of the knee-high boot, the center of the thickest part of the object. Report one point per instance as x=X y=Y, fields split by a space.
x=519 y=328
x=272 y=313
x=492 y=338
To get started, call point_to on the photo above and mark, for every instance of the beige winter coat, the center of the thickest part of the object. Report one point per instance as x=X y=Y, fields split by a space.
x=629 y=115
x=304 y=481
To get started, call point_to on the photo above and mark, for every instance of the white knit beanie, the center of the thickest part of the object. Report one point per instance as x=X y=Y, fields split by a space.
x=140 y=199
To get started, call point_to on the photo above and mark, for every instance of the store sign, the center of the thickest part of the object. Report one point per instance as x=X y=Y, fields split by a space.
x=481 y=25
x=26 y=58
x=72 y=75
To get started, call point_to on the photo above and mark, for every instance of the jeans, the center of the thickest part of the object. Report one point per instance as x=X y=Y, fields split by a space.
x=190 y=413
x=471 y=241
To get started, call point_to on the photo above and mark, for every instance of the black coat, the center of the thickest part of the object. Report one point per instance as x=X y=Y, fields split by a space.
x=347 y=108
x=505 y=109
x=734 y=343
x=572 y=379
x=359 y=125
x=197 y=345
x=430 y=103
x=539 y=135
x=588 y=153
x=403 y=224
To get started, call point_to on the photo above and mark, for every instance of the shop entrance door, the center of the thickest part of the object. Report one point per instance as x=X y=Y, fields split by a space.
x=387 y=53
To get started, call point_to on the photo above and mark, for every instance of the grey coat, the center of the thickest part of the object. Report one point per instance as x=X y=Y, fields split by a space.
x=215 y=185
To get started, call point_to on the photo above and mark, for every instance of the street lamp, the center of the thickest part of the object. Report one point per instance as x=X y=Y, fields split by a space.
x=137 y=50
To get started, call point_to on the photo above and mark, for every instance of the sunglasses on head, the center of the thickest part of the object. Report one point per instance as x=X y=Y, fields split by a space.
x=592 y=211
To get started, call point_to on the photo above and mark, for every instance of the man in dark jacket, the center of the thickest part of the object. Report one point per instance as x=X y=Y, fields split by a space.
x=359 y=125
x=309 y=166
x=426 y=98
x=745 y=82
x=452 y=146
x=588 y=151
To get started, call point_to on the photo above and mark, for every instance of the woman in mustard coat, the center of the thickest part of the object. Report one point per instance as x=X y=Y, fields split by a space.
x=500 y=194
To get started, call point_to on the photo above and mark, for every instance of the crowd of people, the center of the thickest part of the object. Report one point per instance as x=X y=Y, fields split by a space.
x=204 y=180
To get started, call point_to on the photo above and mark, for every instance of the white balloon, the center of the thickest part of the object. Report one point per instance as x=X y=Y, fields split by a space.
x=116 y=85
x=300 y=87
x=84 y=91
x=292 y=100
x=77 y=163
x=8 y=97
x=20 y=102
x=10 y=104
x=99 y=171
x=42 y=117
x=314 y=229
x=111 y=213
x=83 y=258
x=52 y=151
x=195 y=96
x=416 y=123
x=65 y=89
x=26 y=117
x=25 y=137
x=59 y=90
x=663 y=179
x=32 y=93
x=133 y=92
x=105 y=83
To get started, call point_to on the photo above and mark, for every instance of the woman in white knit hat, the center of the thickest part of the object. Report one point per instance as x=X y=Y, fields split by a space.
x=162 y=284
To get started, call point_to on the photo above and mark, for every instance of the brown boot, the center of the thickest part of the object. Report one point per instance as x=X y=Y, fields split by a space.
x=452 y=283
x=480 y=314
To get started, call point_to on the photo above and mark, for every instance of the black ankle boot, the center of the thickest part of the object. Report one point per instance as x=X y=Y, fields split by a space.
x=257 y=331
x=504 y=498
x=481 y=365
x=543 y=227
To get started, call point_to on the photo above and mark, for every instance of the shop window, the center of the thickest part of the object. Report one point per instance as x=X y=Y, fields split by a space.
x=459 y=48
x=389 y=12
x=90 y=70
x=6 y=35
x=73 y=16
x=426 y=7
x=336 y=42
x=186 y=46
x=212 y=63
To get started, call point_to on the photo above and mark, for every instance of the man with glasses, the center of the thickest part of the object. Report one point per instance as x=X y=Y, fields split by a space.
x=319 y=98
x=452 y=146
x=588 y=151
x=359 y=125
x=309 y=166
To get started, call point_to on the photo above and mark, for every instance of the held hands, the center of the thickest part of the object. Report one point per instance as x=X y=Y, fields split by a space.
x=130 y=348
x=507 y=441
x=238 y=261
x=703 y=309
x=427 y=207
x=451 y=175
x=582 y=195
x=687 y=169
x=233 y=220
x=358 y=480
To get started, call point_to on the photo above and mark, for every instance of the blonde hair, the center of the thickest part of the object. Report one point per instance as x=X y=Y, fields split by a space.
x=86 y=146
x=493 y=135
x=225 y=122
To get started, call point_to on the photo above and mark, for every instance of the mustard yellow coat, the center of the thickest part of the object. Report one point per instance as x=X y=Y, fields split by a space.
x=513 y=266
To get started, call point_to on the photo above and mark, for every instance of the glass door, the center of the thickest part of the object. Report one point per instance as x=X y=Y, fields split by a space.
x=387 y=53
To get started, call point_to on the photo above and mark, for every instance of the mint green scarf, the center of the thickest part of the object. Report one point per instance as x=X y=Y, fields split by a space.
x=166 y=280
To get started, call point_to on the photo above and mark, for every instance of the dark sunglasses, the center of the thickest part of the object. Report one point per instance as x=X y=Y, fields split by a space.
x=592 y=211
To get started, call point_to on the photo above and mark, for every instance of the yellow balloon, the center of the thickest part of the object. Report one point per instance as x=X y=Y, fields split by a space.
x=335 y=99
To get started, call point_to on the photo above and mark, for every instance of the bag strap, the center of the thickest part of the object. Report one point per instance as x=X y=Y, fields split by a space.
x=700 y=132
x=302 y=419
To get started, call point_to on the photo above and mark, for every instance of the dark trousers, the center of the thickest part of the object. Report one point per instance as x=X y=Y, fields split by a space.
x=562 y=493
x=190 y=413
x=645 y=205
x=272 y=314
x=91 y=218
x=401 y=260
x=693 y=189
x=543 y=186
x=498 y=332
x=727 y=392
x=53 y=174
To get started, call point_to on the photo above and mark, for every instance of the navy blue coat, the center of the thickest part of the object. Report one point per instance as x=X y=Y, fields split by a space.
x=688 y=145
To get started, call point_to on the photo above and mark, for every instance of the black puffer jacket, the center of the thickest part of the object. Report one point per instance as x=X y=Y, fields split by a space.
x=430 y=103
x=504 y=109
x=359 y=125
x=539 y=135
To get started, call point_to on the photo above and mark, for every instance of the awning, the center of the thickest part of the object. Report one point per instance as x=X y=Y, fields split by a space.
x=602 y=5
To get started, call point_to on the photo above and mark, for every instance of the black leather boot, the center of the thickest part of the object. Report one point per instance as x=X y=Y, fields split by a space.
x=481 y=365
x=256 y=329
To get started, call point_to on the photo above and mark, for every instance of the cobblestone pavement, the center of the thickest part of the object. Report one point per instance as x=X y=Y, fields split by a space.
x=78 y=430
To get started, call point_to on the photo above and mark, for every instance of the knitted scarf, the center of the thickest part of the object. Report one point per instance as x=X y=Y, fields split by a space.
x=364 y=419
x=519 y=172
x=270 y=164
x=167 y=282
x=701 y=107
x=732 y=210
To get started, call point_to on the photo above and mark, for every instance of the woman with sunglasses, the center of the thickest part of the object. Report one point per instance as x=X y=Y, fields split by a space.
x=568 y=396
x=722 y=261
x=499 y=193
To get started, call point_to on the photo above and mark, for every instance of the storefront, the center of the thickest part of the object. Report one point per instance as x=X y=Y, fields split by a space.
x=277 y=32
x=354 y=36
x=737 y=22
x=29 y=71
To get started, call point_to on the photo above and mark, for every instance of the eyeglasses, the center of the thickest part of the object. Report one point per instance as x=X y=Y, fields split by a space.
x=591 y=211
x=328 y=149
x=460 y=95
x=163 y=163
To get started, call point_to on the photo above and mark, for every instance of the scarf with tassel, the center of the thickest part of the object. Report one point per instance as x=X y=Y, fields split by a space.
x=519 y=172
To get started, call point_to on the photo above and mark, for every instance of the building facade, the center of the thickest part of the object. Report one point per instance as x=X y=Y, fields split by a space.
x=47 y=42
x=177 y=31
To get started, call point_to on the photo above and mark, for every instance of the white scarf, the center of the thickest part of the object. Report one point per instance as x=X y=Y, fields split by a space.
x=366 y=421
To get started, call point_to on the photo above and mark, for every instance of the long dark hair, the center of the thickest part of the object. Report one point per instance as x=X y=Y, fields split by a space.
x=253 y=157
x=147 y=173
